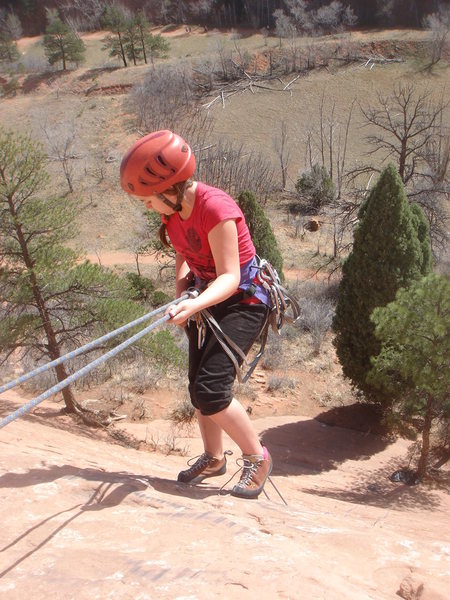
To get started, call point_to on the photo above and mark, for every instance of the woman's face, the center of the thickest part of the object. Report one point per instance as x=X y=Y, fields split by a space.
x=155 y=202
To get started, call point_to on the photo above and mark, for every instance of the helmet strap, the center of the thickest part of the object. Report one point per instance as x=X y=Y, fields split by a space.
x=180 y=189
x=174 y=206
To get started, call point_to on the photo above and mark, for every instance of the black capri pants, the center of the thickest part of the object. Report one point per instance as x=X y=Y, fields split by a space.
x=211 y=371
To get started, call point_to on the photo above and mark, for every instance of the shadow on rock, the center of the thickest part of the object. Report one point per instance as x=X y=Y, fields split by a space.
x=376 y=489
x=55 y=472
x=114 y=488
x=358 y=416
x=175 y=488
x=307 y=447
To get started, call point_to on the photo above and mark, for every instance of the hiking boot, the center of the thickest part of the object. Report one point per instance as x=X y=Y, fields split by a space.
x=205 y=466
x=255 y=470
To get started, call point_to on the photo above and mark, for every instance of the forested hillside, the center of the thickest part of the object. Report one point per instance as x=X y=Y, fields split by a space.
x=254 y=14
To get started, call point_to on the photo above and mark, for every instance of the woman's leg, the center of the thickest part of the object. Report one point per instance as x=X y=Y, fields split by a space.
x=211 y=377
x=235 y=421
x=211 y=435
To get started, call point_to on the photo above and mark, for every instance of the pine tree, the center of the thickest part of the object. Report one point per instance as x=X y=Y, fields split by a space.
x=387 y=255
x=50 y=300
x=156 y=46
x=131 y=39
x=116 y=21
x=8 y=48
x=62 y=44
x=414 y=332
x=261 y=231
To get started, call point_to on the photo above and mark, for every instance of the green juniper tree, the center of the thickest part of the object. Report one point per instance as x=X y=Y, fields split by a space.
x=50 y=300
x=261 y=231
x=414 y=333
x=387 y=255
x=423 y=233
x=62 y=44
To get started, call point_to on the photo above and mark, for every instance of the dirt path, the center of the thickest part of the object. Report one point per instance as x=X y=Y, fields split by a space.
x=110 y=259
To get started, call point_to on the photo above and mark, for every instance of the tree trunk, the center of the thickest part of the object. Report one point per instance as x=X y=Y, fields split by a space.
x=402 y=160
x=423 y=460
x=122 y=51
x=143 y=45
x=52 y=344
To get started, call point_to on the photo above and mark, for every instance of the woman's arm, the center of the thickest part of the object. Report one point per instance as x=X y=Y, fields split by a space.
x=223 y=240
x=182 y=275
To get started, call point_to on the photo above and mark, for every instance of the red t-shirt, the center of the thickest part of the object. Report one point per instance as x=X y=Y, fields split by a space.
x=190 y=237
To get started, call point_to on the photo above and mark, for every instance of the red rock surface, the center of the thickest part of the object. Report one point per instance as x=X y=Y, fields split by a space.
x=85 y=518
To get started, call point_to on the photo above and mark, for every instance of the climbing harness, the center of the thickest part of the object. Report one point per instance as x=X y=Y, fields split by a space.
x=192 y=293
x=281 y=301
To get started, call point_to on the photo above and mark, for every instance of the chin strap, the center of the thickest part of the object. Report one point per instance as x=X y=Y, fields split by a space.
x=176 y=206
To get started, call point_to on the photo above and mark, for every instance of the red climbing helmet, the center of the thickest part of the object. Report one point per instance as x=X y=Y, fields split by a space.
x=155 y=162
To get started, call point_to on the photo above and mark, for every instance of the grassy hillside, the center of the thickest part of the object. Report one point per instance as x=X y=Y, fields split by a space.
x=93 y=102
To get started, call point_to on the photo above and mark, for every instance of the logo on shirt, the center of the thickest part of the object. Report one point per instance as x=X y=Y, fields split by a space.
x=193 y=239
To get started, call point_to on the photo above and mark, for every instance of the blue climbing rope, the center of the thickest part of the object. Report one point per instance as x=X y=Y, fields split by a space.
x=92 y=365
x=89 y=346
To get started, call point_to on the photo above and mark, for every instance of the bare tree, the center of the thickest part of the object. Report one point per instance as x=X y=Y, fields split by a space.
x=385 y=11
x=403 y=124
x=283 y=152
x=300 y=15
x=166 y=98
x=431 y=188
x=82 y=15
x=234 y=168
x=60 y=142
x=439 y=25
x=326 y=144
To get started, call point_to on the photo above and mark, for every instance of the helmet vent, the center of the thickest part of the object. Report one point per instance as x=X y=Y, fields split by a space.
x=161 y=160
x=150 y=172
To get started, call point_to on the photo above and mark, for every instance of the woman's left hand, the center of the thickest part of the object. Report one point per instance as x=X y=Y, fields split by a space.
x=181 y=312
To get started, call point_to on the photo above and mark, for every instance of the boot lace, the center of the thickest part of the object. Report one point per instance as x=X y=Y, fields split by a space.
x=248 y=468
x=199 y=462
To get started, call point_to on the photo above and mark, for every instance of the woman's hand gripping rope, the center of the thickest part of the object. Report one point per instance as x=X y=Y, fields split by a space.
x=180 y=313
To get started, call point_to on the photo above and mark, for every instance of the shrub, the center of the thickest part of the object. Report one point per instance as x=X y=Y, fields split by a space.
x=159 y=298
x=141 y=287
x=316 y=318
x=316 y=187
